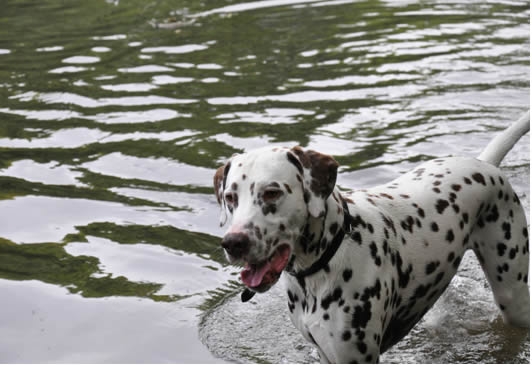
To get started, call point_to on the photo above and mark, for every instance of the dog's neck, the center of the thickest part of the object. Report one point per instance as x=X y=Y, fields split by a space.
x=321 y=238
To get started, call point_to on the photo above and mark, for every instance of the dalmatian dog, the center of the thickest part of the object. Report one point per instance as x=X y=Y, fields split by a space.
x=362 y=268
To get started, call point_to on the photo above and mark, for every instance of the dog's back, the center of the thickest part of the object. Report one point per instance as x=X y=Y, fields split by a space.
x=430 y=217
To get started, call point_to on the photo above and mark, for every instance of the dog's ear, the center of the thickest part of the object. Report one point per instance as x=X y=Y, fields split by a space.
x=218 y=183
x=219 y=186
x=319 y=174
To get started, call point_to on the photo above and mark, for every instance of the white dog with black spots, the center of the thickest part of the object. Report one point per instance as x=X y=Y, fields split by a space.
x=362 y=268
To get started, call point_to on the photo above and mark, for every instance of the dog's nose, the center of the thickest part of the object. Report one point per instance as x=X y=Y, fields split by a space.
x=236 y=244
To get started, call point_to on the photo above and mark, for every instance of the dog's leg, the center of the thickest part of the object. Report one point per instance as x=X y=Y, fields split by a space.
x=323 y=357
x=349 y=334
x=500 y=241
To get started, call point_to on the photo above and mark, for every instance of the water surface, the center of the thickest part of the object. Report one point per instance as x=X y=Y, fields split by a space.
x=115 y=114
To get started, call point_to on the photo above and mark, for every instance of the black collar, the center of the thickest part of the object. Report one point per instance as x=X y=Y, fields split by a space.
x=324 y=259
x=331 y=249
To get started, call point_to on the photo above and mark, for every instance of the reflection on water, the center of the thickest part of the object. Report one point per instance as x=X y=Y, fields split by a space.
x=114 y=116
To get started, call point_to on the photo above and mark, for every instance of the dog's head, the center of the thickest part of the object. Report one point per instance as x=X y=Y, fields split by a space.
x=268 y=195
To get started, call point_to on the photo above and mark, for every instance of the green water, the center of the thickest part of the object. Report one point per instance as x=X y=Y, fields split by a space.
x=114 y=116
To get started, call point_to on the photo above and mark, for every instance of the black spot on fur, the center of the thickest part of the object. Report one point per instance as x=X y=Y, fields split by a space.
x=337 y=294
x=501 y=248
x=389 y=223
x=362 y=347
x=326 y=302
x=288 y=189
x=269 y=208
x=438 y=278
x=420 y=292
x=356 y=237
x=479 y=178
x=408 y=224
x=361 y=315
x=456 y=262
x=290 y=295
x=333 y=297
x=347 y=274
x=431 y=267
x=404 y=276
x=449 y=236
x=456 y=187
x=493 y=216
x=434 y=227
x=252 y=188
x=357 y=221
x=450 y=258
x=441 y=205
x=385 y=247
x=373 y=251
x=452 y=197
x=507 y=228
x=291 y=307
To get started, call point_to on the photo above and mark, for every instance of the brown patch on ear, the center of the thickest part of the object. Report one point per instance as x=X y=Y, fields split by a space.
x=323 y=170
x=301 y=155
x=219 y=181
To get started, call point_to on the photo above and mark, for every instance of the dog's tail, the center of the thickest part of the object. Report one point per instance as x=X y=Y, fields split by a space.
x=500 y=145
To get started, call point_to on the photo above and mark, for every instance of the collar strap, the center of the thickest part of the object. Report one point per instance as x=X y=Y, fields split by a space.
x=331 y=249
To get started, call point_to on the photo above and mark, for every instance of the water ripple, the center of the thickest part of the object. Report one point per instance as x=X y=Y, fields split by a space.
x=87 y=102
x=111 y=130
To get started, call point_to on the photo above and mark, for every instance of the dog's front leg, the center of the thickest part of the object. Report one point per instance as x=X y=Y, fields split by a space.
x=323 y=357
x=359 y=350
x=349 y=334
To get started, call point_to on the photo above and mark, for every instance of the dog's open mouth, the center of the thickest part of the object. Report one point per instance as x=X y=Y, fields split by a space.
x=260 y=277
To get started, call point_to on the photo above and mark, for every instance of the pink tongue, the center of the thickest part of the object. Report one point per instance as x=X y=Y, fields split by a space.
x=252 y=275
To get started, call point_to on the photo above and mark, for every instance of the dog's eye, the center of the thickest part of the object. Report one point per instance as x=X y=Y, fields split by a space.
x=271 y=195
x=229 y=198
